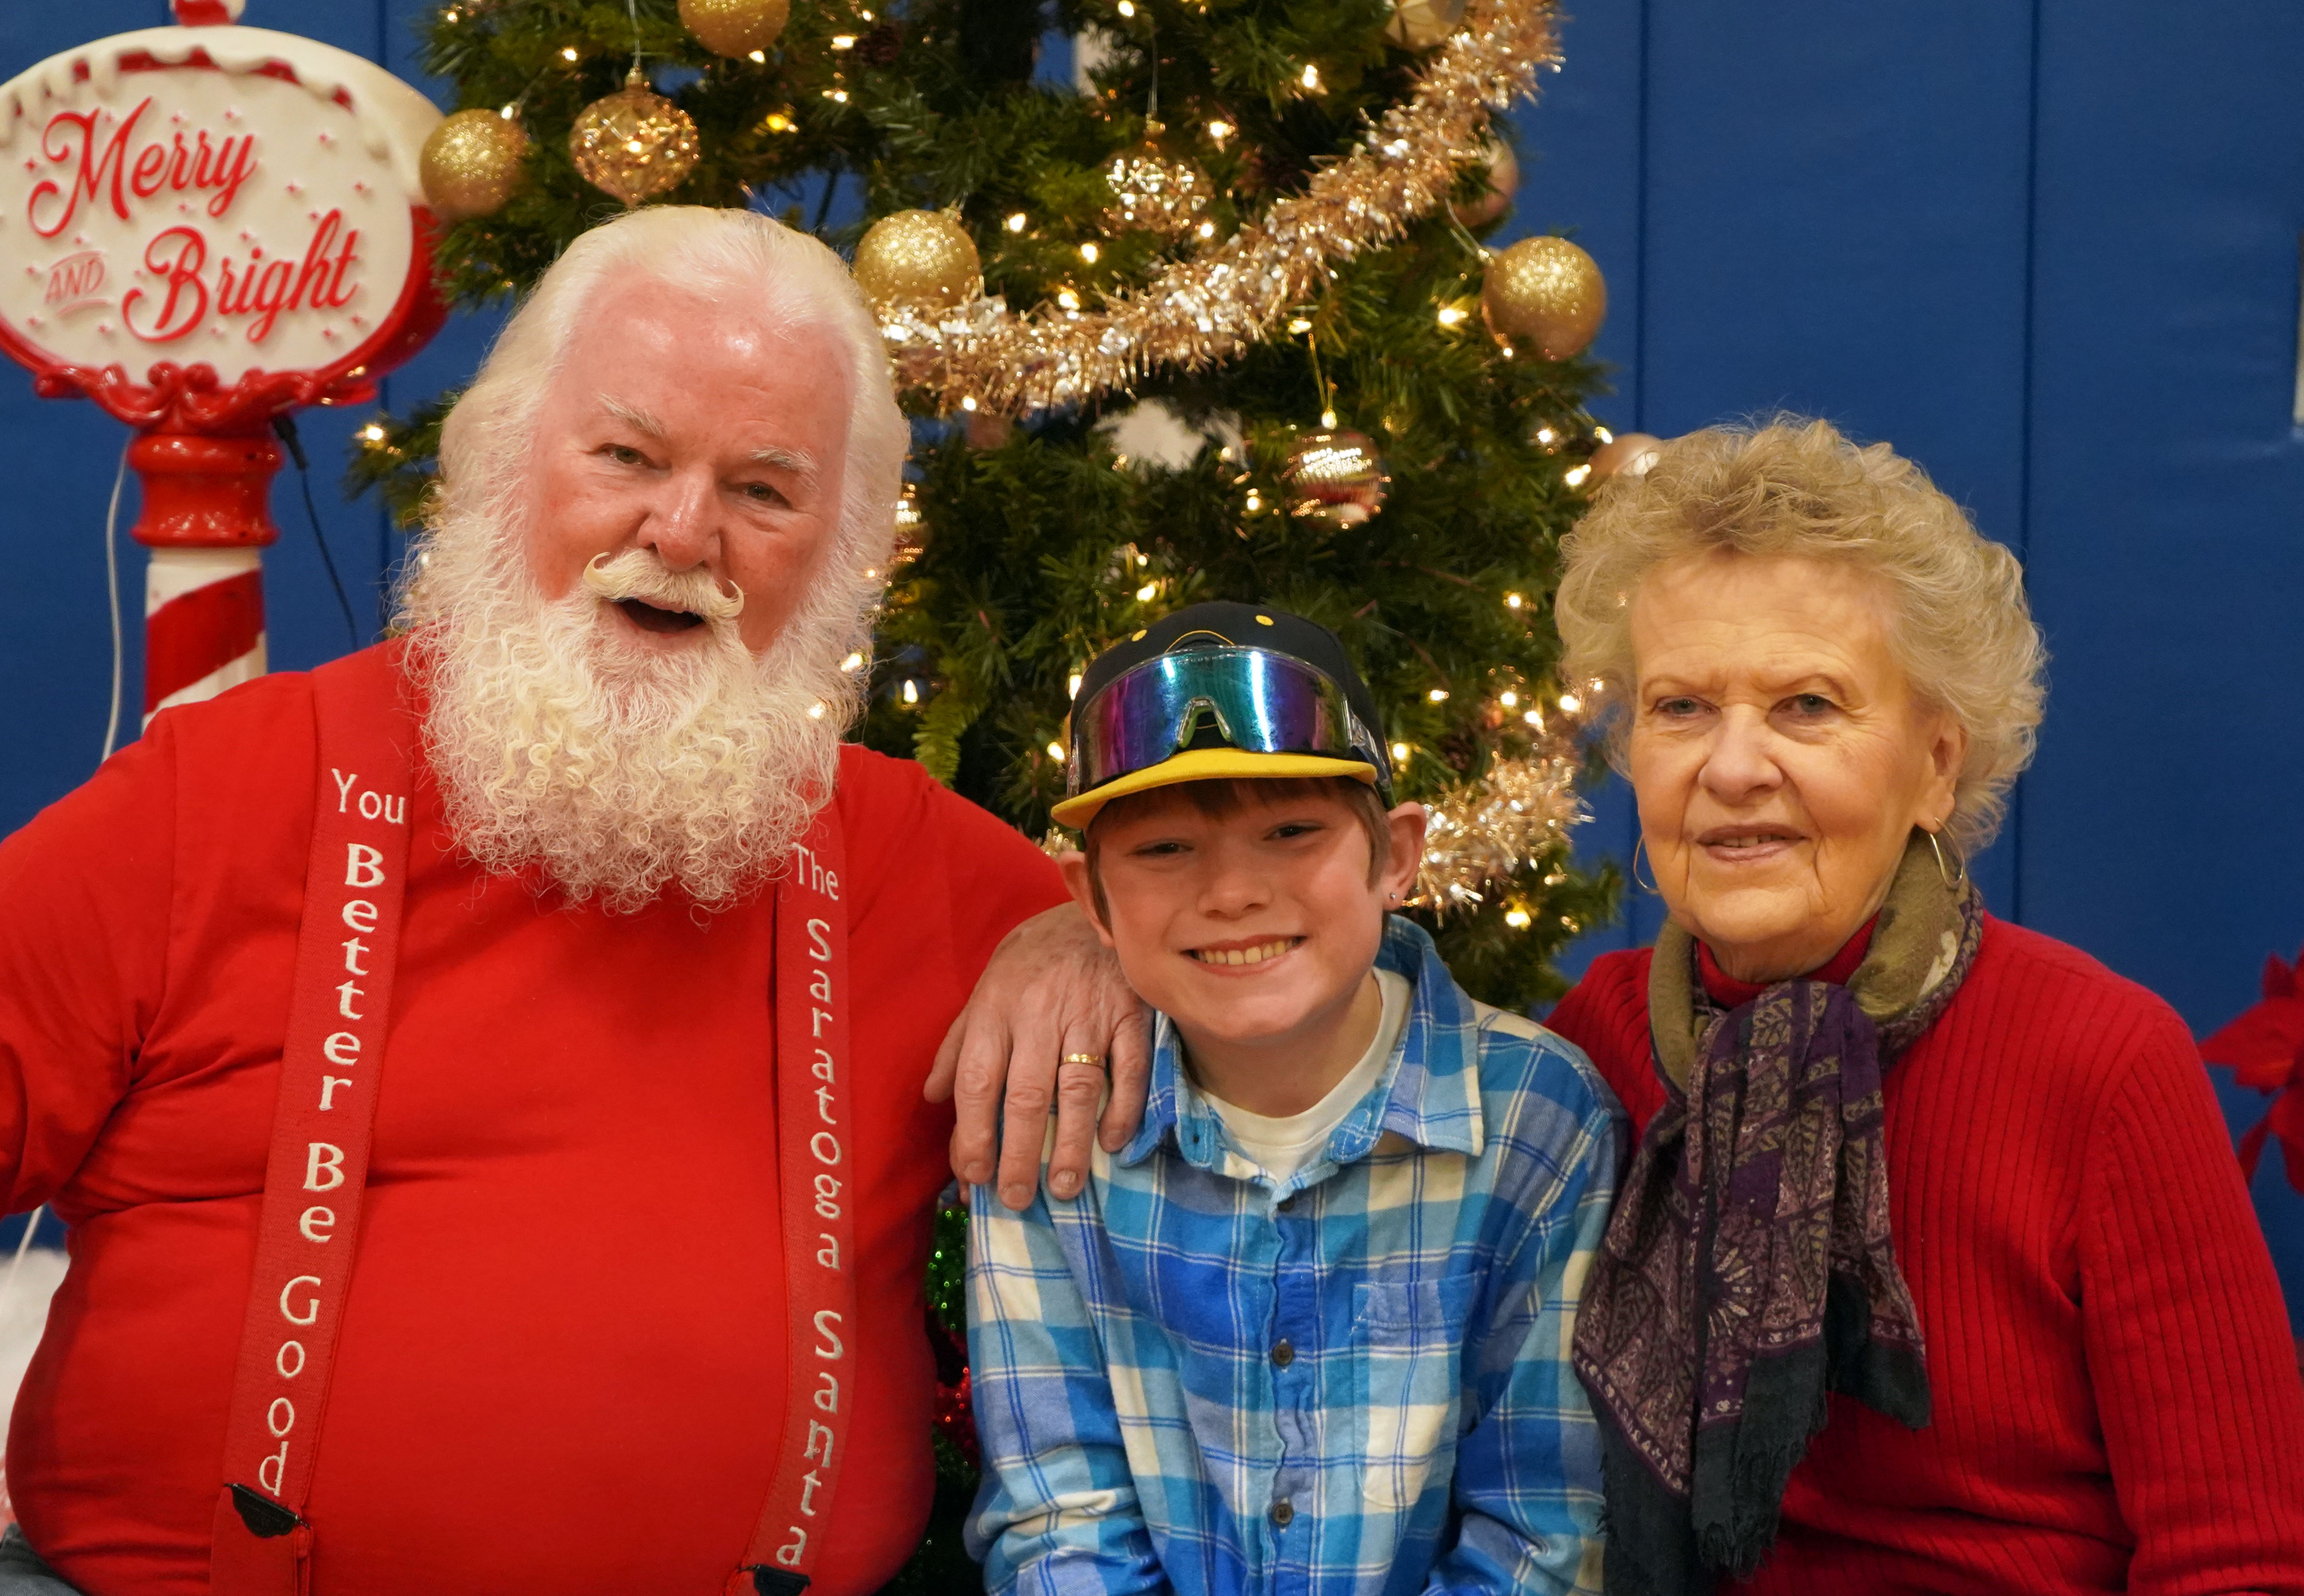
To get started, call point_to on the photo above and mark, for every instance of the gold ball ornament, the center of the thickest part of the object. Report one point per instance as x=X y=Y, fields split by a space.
x=472 y=163
x=920 y=261
x=1627 y=454
x=1547 y=292
x=1335 y=479
x=1497 y=198
x=1420 y=24
x=634 y=144
x=1153 y=193
x=735 y=27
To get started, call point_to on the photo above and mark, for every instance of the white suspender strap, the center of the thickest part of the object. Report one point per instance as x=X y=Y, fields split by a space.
x=322 y=1129
x=816 y=1184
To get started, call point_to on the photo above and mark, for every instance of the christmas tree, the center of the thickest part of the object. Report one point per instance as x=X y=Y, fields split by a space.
x=1217 y=322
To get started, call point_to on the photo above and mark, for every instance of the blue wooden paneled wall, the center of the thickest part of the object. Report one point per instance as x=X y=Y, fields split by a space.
x=2049 y=250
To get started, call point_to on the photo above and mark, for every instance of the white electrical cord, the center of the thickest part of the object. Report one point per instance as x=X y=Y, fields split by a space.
x=111 y=593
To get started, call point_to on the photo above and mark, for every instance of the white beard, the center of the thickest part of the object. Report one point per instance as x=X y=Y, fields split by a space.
x=619 y=771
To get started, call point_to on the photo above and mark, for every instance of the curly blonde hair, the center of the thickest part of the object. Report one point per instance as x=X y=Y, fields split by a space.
x=1962 y=630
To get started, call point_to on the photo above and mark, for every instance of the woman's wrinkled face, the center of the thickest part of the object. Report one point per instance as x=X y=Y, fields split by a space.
x=1779 y=754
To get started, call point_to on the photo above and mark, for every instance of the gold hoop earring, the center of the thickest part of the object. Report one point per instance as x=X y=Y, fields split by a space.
x=1639 y=846
x=1950 y=880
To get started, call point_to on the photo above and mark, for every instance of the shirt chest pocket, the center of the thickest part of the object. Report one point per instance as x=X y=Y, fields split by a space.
x=1408 y=1342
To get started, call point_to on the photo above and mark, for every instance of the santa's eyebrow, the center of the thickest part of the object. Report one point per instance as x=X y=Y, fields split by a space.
x=785 y=460
x=632 y=416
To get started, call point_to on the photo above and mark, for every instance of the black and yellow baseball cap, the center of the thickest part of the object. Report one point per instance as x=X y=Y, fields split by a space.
x=1215 y=691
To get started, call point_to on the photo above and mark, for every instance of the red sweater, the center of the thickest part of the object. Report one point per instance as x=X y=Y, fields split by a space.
x=2117 y=1406
x=561 y=1366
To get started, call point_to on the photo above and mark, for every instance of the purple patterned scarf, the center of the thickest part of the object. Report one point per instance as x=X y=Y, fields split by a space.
x=1749 y=1268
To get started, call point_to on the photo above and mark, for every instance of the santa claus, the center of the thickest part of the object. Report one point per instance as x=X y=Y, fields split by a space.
x=484 y=1076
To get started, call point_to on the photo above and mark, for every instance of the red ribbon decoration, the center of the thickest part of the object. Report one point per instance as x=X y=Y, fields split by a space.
x=2265 y=1047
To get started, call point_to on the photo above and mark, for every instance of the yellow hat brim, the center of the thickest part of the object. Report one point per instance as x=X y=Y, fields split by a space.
x=1208 y=764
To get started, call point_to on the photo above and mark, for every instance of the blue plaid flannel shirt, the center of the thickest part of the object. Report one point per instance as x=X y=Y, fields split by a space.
x=1190 y=1379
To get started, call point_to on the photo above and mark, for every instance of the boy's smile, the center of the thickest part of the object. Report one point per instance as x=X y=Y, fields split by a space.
x=1240 y=953
x=1255 y=930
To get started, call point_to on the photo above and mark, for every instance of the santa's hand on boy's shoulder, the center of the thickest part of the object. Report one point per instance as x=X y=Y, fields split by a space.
x=1051 y=1011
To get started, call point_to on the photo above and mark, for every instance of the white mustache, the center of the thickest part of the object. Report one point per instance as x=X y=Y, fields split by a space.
x=642 y=574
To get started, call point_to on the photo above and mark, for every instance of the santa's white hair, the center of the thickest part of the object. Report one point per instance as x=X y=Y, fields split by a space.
x=619 y=771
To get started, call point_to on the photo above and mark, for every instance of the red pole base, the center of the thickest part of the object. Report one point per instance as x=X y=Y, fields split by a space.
x=205 y=493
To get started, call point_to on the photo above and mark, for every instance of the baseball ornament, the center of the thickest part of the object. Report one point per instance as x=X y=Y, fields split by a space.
x=1335 y=479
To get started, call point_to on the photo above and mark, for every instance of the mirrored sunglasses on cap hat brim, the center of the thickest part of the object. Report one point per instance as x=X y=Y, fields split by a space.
x=1262 y=703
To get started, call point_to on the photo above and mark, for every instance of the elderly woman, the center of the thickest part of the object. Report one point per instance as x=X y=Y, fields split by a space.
x=1931 y=1271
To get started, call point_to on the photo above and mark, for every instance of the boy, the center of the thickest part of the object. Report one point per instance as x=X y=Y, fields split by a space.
x=1309 y=1331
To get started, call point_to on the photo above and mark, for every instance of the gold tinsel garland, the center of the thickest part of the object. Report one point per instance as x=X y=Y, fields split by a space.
x=1482 y=834
x=1215 y=305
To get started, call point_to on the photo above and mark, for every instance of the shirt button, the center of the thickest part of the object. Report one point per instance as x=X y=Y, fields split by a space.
x=1283 y=1512
x=1283 y=1354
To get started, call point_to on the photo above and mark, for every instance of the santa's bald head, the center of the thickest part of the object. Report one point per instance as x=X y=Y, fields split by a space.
x=664 y=505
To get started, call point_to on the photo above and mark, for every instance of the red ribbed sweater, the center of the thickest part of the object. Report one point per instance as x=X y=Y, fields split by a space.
x=2117 y=1404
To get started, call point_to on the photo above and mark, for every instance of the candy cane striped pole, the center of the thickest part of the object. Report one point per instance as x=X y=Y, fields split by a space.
x=206 y=522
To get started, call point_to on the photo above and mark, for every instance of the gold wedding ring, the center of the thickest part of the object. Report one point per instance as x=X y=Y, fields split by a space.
x=1095 y=1060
